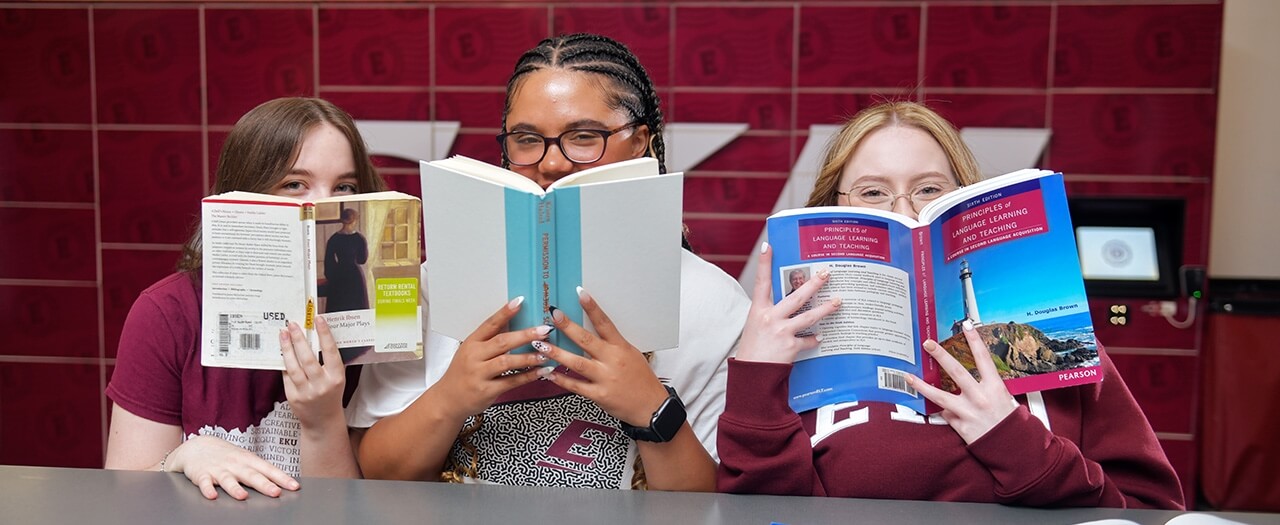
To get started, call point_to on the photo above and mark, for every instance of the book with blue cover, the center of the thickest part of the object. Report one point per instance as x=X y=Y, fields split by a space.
x=493 y=235
x=1000 y=254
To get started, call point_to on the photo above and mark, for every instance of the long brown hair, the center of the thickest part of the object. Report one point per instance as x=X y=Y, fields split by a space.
x=885 y=114
x=265 y=143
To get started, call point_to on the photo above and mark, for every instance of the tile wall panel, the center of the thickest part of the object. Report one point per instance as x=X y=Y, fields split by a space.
x=51 y=415
x=112 y=117
x=151 y=185
x=859 y=46
x=50 y=320
x=741 y=47
x=375 y=47
x=46 y=165
x=255 y=55
x=148 y=66
x=988 y=46
x=44 y=76
x=1163 y=46
x=478 y=46
x=644 y=29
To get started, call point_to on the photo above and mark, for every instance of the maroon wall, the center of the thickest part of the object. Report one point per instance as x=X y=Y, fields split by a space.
x=112 y=116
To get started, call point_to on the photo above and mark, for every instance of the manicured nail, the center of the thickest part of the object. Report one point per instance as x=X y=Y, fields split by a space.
x=764 y=247
x=818 y=338
x=284 y=335
x=543 y=330
x=547 y=373
x=541 y=358
x=968 y=325
x=320 y=321
x=583 y=295
x=837 y=302
x=541 y=347
x=823 y=273
x=556 y=314
x=515 y=303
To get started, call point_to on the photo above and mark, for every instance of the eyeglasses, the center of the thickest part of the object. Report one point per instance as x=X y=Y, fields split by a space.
x=877 y=196
x=580 y=146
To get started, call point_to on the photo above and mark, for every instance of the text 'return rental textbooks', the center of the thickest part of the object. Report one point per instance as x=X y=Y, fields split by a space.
x=268 y=260
x=1000 y=254
x=493 y=235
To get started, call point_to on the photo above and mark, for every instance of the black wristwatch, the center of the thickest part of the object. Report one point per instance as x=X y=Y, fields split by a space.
x=664 y=424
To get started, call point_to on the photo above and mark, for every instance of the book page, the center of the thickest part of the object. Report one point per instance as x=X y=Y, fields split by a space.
x=487 y=172
x=627 y=169
x=252 y=280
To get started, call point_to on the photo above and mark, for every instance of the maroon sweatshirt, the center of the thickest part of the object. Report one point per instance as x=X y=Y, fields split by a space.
x=1097 y=450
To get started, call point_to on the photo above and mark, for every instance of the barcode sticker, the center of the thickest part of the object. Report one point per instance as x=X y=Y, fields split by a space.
x=244 y=331
x=895 y=380
x=224 y=334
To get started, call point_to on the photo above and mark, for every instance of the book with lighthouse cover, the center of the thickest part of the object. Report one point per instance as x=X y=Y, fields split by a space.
x=1000 y=254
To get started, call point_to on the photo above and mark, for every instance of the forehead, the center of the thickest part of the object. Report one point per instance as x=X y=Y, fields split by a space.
x=897 y=154
x=550 y=99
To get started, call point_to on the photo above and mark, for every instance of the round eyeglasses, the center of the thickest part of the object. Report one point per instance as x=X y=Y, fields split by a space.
x=878 y=196
x=580 y=146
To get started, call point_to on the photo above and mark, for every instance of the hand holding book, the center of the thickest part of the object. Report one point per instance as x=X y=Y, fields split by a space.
x=773 y=331
x=981 y=403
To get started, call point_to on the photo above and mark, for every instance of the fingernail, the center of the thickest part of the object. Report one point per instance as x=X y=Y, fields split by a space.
x=320 y=321
x=583 y=295
x=547 y=373
x=541 y=347
x=968 y=325
x=284 y=334
x=556 y=314
x=823 y=273
x=818 y=338
x=515 y=303
x=837 y=302
x=543 y=330
x=541 y=358
x=764 y=247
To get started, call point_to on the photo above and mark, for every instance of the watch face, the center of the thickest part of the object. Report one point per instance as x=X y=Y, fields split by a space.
x=669 y=418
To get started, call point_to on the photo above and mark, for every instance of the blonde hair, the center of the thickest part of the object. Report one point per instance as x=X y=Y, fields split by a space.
x=883 y=115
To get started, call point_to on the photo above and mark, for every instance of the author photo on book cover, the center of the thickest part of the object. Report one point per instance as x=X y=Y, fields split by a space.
x=1079 y=446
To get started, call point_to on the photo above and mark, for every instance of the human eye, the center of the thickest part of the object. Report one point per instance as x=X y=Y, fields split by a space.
x=930 y=190
x=526 y=140
x=582 y=136
x=872 y=193
x=292 y=186
x=347 y=188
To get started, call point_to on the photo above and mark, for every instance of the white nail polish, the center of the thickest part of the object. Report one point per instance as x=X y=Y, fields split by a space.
x=515 y=303
x=541 y=347
x=579 y=291
x=968 y=325
x=545 y=372
x=764 y=247
x=542 y=330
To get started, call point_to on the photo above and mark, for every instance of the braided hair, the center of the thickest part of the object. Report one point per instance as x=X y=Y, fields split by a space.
x=632 y=91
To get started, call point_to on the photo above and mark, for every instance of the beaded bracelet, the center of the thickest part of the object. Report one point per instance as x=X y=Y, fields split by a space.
x=166 y=458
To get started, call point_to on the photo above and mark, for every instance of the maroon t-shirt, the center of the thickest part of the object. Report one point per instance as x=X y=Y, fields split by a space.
x=158 y=376
x=1085 y=446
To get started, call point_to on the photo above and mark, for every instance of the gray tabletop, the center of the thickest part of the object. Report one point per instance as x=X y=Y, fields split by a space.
x=92 y=496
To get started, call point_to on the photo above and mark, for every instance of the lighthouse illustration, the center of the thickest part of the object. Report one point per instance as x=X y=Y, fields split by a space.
x=970 y=299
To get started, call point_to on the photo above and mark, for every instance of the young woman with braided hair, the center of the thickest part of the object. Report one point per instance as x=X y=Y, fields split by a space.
x=471 y=411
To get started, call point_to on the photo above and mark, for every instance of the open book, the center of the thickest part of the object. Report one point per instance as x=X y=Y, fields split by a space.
x=267 y=260
x=493 y=235
x=1000 y=253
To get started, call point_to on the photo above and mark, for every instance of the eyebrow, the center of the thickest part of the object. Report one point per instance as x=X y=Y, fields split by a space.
x=881 y=179
x=585 y=123
x=350 y=175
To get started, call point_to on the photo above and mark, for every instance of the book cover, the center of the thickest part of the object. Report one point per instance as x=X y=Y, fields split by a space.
x=269 y=260
x=1000 y=253
x=493 y=235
